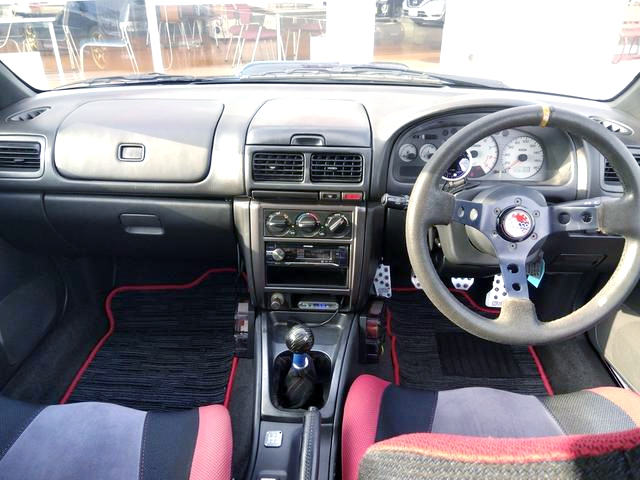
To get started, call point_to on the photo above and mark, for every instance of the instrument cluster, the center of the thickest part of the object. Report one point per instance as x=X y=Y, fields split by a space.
x=513 y=154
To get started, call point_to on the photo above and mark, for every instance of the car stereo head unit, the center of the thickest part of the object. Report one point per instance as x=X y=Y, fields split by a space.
x=306 y=264
x=307 y=254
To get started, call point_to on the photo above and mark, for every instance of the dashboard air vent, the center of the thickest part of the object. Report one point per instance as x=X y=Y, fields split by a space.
x=610 y=176
x=19 y=156
x=336 y=167
x=27 y=115
x=615 y=127
x=278 y=167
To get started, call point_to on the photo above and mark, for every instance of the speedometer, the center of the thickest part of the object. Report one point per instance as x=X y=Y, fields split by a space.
x=522 y=157
x=483 y=155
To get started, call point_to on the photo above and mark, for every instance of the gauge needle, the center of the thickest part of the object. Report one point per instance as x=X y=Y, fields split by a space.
x=513 y=164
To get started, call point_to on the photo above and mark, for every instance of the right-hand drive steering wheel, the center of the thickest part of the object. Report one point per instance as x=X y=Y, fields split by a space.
x=516 y=220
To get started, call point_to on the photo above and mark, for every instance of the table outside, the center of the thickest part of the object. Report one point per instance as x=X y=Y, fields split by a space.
x=52 y=34
x=278 y=11
x=287 y=11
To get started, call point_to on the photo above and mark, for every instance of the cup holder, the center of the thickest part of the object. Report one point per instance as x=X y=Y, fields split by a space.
x=281 y=366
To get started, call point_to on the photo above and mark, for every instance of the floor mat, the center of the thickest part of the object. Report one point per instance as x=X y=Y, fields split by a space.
x=434 y=354
x=168 y=346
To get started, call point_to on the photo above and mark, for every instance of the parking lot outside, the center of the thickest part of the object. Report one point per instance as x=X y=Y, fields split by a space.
x=203 y=40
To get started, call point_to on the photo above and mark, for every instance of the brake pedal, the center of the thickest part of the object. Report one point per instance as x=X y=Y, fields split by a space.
x=497 y=294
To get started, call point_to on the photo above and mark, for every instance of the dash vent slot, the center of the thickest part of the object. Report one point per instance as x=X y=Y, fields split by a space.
x=609 y=176
x=278 y=167
x=20 y=156
x=27 y=115
x=336 y=167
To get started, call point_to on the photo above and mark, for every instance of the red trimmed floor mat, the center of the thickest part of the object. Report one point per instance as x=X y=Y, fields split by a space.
x=167 y=347
x=430 y=352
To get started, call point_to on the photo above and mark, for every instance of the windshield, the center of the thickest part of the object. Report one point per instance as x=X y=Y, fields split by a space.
x=584 y=48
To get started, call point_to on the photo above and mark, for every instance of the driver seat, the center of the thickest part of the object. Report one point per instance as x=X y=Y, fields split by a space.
x=390 y=431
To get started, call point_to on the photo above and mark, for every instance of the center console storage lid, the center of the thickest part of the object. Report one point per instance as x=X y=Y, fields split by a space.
x=138 y=140
x=339 y=123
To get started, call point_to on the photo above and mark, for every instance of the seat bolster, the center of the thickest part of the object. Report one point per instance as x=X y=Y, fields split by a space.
x=83 y=440
x=608 y=456
x=214 y=445
x=360 y=421
x=626 y=400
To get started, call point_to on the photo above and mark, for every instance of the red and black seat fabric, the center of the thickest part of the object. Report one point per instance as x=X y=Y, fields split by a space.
x=394 y=432
x=110 y=442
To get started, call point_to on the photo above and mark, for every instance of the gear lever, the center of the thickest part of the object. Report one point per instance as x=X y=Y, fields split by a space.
x=300 y=381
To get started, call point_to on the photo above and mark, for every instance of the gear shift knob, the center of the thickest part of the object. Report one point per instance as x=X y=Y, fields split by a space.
x=299 y=339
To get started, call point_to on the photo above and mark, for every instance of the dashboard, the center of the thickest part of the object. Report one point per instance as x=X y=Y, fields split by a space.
x=290 y=177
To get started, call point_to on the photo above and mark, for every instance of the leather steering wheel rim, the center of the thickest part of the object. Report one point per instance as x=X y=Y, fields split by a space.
x=518 y=322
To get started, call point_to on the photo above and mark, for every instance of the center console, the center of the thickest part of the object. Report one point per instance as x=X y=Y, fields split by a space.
x=303 y=232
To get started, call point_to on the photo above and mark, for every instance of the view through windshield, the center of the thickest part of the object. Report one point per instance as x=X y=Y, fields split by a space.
x=587 y=48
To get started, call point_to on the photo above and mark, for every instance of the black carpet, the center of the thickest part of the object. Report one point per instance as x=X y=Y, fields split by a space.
x=434 y=354
x=171 y=349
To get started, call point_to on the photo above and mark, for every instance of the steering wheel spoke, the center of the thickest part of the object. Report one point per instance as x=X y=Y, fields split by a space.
x=514 y=275
x=578 y=216
x=469 y=213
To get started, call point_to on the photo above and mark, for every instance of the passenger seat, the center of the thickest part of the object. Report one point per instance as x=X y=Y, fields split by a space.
x=105 y=441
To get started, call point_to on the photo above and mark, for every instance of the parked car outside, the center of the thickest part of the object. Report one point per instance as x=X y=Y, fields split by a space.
x=425 y=12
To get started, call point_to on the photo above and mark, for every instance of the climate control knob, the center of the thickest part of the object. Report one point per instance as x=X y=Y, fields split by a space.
x=336 y=224
x=278 y=223
x=308 y=224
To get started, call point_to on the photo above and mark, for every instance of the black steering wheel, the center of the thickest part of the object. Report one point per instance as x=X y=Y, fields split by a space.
x=517 y=220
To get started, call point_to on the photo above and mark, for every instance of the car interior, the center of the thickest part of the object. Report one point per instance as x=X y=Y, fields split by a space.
x=288 y=279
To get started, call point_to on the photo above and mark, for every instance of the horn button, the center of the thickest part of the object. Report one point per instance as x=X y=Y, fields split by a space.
x=515 y=224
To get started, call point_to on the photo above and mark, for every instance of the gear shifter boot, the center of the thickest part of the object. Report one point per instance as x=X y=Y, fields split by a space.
x=300 y=382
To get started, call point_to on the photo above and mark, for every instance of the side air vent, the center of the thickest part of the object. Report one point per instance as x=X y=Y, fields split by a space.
x=336 y=167
x=278 y=167
x=27 y=115
x=615 y=127
x=20 y=156
x=610 y=176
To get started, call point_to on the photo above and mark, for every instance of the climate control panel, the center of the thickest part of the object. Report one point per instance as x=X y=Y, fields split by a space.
x=307 y=224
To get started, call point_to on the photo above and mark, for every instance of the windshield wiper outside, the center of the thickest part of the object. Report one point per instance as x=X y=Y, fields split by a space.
x=289 y=70
x=390 y=70
x=258 y=71
x=142 y=79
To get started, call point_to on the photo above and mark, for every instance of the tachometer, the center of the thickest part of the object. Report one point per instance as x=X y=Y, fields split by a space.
x=483 y=155
x=408 y=152
x=427 y=151
x=522 y=157
x=459 y=169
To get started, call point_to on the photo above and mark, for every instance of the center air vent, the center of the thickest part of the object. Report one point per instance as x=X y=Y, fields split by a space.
x=336 y=167
x=278 y=167
x=610 y=176
x=20 y=157
x=27 y=115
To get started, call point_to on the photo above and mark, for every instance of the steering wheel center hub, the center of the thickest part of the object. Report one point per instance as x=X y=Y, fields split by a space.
x=515 y=224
